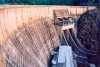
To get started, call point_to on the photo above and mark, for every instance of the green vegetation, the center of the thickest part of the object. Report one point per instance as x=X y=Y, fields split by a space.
x=52 y=2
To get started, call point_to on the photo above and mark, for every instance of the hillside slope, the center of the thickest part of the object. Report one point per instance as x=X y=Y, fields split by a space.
x=89 y=29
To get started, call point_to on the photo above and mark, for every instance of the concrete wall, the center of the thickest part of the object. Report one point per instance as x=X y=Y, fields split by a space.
x=13 y=17
x=36 y=45
x=30 y=46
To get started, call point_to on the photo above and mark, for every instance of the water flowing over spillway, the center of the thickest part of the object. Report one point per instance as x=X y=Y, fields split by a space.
x=30 y=45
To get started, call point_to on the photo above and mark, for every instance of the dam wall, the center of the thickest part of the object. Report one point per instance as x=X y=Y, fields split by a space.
x=30 y=46
x=13 y=17
x=26 y=38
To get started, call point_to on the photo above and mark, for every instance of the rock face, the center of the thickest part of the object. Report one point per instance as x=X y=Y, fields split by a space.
x=89 y=29
x=89 y=32
x=30 y=46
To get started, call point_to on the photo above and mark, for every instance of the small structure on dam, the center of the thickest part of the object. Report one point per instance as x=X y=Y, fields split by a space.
x=62 y=21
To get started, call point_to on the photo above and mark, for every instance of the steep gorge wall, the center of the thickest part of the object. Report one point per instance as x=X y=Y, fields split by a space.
x=13 y=17
x=30 y=46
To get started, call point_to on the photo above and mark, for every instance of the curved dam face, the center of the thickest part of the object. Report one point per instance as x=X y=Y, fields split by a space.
x=30 y=46
x=13 y=17
x=26 y=39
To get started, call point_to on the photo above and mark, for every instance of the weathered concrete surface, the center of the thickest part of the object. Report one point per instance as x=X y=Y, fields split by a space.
x=30 y=45
x=68 y=26
x=13 y=17
x=1 y=60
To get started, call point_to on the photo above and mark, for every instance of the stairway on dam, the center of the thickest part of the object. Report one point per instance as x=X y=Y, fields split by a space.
x=30 y=45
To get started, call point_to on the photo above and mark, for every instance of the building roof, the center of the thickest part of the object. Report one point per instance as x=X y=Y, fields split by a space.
x=65 y=56
x=61 y=13
x=63 y=51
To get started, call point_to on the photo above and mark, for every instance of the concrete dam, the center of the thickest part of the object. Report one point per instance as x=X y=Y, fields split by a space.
x=27 y=33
